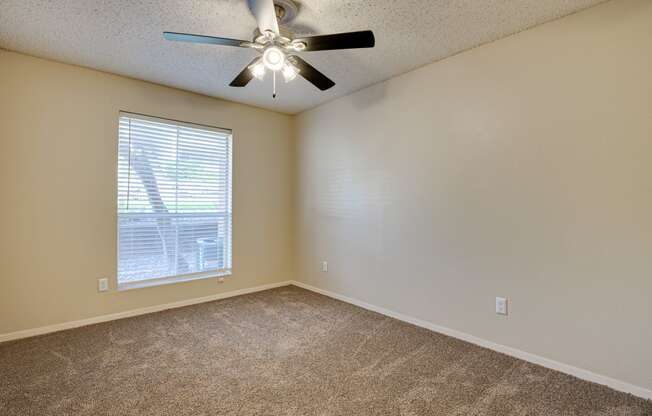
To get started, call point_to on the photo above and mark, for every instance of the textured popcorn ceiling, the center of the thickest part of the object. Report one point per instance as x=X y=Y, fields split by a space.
x=124 y=37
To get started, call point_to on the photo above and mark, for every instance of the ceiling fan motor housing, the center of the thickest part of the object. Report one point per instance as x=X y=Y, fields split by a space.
x=284 y=35
x=286 y=11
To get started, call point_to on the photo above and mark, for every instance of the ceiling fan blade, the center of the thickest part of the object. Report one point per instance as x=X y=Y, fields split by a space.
x=244 y=76
x=187 y=37
x=265 y=14
x=348 y=40
x=313 y=76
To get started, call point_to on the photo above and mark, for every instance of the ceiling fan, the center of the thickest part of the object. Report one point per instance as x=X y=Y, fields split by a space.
x=277 y=46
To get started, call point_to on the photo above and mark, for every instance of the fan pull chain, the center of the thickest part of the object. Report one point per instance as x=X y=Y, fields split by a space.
x=274 y=82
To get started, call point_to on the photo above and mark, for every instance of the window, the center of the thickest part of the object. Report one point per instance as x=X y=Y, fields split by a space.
x=174 y=201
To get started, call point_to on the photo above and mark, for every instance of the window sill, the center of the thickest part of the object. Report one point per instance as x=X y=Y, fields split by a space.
x=171 y=280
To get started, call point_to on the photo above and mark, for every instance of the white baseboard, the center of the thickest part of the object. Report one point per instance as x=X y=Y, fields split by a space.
x=526 y=356
x=135 y=312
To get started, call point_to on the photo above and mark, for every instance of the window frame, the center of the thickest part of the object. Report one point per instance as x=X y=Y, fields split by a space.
x=187 y=277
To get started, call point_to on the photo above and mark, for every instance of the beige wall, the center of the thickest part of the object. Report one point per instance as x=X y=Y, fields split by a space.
x=58 y=142
x=522 y=168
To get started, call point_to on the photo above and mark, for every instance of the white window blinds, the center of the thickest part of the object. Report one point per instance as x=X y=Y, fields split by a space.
x=174 y=199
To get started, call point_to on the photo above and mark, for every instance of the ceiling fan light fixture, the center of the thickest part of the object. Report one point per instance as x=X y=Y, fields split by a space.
x=273 y=58
x=290 y=72
x=258 y=69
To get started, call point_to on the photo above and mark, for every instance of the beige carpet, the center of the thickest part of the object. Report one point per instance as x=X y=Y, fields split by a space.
x=285 y=351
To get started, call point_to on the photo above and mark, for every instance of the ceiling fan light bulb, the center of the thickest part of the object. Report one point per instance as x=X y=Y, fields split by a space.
x=258 y=70
x=273 y=58
x=289 y=72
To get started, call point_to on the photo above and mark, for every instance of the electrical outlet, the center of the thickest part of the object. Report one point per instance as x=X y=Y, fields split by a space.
x=102 y=285
x=501 y=306
x=324 y=266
